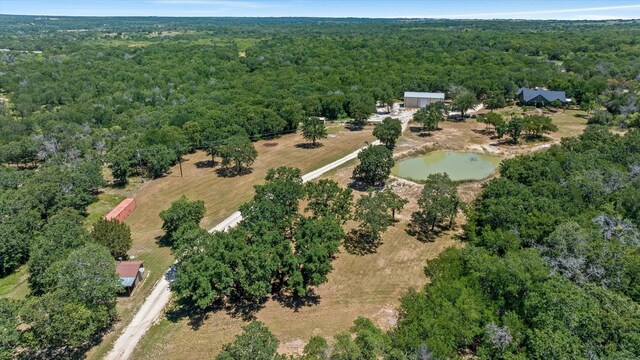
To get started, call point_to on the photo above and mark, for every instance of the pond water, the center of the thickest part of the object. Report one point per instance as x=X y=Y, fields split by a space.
x=458 y=165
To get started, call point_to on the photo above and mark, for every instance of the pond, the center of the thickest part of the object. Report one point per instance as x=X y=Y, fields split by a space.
x=458 y=165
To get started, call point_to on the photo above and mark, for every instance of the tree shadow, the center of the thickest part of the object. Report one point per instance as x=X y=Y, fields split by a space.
x=487 y=132
x=354 y=126
x=233 y=172
x=357 y=243
x=206 y=164
x=309 y=145
x=242 y=308
x=297 y=302
x=163 y=241
x=422 y=232
x=358 y=185
x=184 y=309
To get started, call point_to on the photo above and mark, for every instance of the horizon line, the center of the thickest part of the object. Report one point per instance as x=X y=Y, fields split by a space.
x=320 y=17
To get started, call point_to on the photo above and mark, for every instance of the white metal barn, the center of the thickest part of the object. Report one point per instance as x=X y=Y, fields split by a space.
x=421 y=99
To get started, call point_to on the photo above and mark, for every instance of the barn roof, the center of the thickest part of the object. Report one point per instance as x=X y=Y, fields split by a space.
x=128 y=271
x=128 y=268
x=430 y=95
x=550 y=96
x=119 y=208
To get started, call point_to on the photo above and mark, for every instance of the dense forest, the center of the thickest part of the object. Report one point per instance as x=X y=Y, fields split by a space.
x=549 y=270
x=78 y=95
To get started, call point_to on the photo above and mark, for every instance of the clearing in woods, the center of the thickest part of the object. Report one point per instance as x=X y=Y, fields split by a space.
x=222 y=196
x=368 y=285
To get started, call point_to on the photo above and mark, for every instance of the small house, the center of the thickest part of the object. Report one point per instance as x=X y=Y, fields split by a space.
x=421 y=99
x=130 y=273
x=540 y=97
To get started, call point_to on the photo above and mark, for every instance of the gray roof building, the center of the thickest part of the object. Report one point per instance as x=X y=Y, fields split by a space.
x=540 y=96
x=413 y=99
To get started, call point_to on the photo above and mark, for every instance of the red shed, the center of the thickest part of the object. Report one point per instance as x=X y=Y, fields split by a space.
x=124 y=209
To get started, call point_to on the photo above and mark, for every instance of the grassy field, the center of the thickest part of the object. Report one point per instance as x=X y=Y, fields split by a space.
x=368 y=285
x=222 y=196
x=15 y=286
x=360 y=285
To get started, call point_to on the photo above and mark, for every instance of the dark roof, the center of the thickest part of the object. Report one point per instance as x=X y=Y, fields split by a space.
x=550 y=96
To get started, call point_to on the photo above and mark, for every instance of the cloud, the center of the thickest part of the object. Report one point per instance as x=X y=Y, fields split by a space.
x=221 y=3
x=529 y=14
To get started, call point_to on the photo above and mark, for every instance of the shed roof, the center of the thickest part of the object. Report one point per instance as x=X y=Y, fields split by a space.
x=529 y=94
x=127 y=269
x=429 y=95
x=119 y=208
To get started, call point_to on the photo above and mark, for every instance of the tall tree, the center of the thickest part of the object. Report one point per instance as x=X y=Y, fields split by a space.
x=114 y=235
x=464 y=100
x=255 y=343
x=429 y=117
x=375 y=165
x=237 y=151
x=372 y=212
x=325 y=198
x=181 y=212
x=438 y=204
x=313 y=129
x=388 y=132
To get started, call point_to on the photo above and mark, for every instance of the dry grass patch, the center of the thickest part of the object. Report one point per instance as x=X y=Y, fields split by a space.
x=222 y=196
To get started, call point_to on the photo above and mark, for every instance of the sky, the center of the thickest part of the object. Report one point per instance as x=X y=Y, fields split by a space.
x=458 y=9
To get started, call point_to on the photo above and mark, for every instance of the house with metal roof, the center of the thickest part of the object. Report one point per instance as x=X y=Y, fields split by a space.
x=540 y=97
x=130 y=273
x=414 y=99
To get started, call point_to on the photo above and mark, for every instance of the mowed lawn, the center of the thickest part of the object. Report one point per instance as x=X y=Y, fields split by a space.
x=222 y=197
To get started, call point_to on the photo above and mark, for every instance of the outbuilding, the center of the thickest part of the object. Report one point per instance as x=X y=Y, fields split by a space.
x=414 y=99
x=122 y=211
x=130 y=273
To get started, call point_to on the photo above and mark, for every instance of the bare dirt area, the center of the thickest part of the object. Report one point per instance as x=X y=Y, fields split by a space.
x=469 y=135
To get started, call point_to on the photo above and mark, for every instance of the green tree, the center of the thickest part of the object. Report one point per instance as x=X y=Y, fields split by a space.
x=325 y=198
x=372 y=212
x=514 y=128
x=181 y=212
x=88 y=276
x=121 y=161
x=54 y=322
x=538 y=125
x=492 y=119
x=360 y=109
x=157 y=160
x=194 y=134
x=495 y=101
x=316 y=349
x=114 y=235
x=388 y=132
x=237 y=151
x=313 y=129
x=464 y=100
x=375 y=165
x=316 y=243
x=255 y=342
x=429 y=117
x=438 y=203
x=9 y=322
x=392 y=201
x=63 y=233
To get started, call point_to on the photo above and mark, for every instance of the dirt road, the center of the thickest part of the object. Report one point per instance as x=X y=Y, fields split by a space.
x=161 y=294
